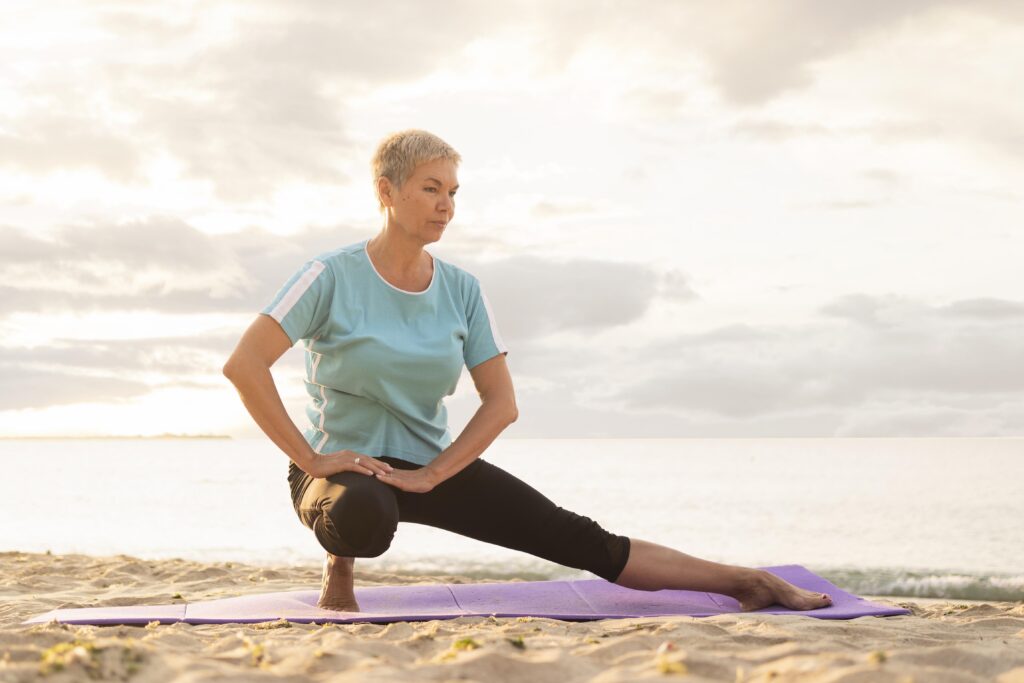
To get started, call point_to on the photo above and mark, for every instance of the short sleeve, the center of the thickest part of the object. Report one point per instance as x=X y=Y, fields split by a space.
x=302 y=306
x=482 y=339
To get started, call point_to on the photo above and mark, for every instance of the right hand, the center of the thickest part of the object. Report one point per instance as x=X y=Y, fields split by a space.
x=322 y=466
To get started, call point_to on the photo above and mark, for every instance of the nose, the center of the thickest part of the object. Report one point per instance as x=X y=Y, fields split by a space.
x=446 y=207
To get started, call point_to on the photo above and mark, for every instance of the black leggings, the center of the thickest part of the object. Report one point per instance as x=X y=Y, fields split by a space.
x=356 y=515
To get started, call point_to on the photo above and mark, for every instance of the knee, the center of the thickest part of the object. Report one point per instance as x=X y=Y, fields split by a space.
x=359 y=523
x=590 y=546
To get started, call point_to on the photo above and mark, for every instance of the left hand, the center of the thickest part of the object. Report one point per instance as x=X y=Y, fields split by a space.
x=414 y=481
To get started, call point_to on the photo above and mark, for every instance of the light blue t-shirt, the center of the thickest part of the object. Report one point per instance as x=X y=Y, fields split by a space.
x=380 y=360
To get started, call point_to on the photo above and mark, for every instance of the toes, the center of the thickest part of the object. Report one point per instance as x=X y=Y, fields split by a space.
x=820 y=600
x=804 y=599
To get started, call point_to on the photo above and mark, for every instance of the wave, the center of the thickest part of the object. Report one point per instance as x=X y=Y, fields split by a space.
x=917 y=583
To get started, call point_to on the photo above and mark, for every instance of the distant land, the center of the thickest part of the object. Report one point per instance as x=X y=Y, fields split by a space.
x=114 y=436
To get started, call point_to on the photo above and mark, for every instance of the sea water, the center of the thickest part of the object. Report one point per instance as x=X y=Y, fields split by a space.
x=910 y=517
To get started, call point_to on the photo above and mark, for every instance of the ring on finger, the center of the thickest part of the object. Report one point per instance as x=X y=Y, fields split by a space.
x=357 y=461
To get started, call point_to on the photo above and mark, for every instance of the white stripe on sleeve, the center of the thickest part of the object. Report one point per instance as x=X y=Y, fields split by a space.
x=494 y=327
x=296 y=291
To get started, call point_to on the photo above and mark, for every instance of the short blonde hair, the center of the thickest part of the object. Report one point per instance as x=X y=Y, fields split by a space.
x=399 y=154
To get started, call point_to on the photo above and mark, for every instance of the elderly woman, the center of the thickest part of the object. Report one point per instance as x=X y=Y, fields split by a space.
x=387 y=328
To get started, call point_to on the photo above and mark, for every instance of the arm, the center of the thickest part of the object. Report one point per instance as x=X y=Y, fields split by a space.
x=248 y=368
x=496 y=412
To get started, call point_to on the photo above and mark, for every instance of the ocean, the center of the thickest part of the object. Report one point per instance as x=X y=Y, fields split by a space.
x=913 y=517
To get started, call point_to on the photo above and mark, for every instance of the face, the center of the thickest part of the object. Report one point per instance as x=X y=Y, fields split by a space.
x=425 y=204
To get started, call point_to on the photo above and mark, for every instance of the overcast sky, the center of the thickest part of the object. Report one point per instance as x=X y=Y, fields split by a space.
x=787 y=218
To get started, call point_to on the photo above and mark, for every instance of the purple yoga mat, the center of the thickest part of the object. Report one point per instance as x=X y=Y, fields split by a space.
x=581 y=600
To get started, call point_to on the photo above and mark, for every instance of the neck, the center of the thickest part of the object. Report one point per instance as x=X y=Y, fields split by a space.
x=395 y=252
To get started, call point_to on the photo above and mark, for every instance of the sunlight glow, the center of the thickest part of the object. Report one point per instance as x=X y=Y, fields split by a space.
x=36 y=329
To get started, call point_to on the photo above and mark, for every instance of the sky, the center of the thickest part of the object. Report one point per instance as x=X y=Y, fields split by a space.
x=699 y=219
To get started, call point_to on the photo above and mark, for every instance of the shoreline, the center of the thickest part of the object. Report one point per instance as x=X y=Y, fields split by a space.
x=940 y=640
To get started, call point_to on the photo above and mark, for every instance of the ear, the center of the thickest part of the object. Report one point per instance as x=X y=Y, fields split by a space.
x=384 y=190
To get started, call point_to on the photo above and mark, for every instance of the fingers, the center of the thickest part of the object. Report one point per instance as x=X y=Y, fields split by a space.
x=361 y=468
x=397 y=482
x=386 y=468
x=406 y=481
x=370 y=466
x=358 y=462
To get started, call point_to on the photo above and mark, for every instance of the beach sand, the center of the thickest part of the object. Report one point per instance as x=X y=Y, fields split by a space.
x=941 y=641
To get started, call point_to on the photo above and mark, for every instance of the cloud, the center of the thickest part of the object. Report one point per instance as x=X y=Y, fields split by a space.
x=63 y=138
x=253 y=96
x=19 y=246
x=165 y=265
x=984 y=309
x=534 y=297
x=884 y=132
x=872 y=311
x=157 y=264
x=886 y=350
x=199 y=355
x=902 y=59
x=752 y=52
x=22 y=388
x=757 y=52
x=664 y=103
x=245 y=95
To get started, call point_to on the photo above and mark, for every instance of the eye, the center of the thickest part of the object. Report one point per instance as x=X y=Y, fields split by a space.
x=431 y=189
x=452 y=194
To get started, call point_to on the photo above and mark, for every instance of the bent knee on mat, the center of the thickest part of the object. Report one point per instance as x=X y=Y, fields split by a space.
x=348 y=545
x=360 y=521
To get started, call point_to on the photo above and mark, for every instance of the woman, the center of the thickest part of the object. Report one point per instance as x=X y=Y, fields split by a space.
x=387 y=329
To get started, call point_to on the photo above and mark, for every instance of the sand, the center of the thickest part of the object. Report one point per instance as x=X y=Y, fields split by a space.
x=940 y=641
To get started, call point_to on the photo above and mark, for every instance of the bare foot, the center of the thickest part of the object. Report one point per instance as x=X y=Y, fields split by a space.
x=337 y=592
x=760 y=588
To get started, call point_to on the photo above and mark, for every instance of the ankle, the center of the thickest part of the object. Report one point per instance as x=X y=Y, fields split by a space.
x=746 y=580
x=338 y=563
